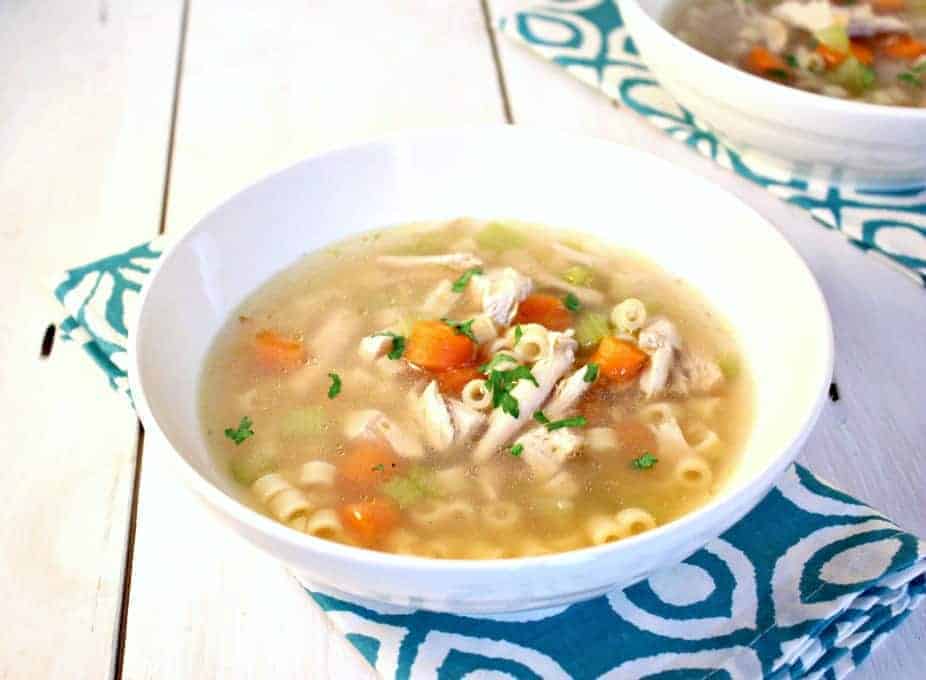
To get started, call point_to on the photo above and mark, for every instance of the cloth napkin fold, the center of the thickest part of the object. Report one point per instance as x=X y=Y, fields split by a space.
x=589 y=40
x=805 y=586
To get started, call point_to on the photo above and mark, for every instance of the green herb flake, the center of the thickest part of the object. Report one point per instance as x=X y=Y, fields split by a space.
x=461 y=327
x=379 y=467
x=240 y=433
x=398 y=344
x=460 y=284
x=591 y=373
x=551 y=425
x=573 y=304
x=644 y=462
x=518 y=334
x=335 y=388
x=500 y=383
x=792 y=61
x=913 y=76
x=517 y=450
x=778 y=73
x=495 y=361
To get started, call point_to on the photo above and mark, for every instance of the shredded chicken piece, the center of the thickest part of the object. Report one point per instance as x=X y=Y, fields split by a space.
x=373 y=423
x=579 y=256
x=484 y=329
x=661 y=340
x=501 y=290
x=588 y=296
x=458 y=261
x=467 y=422
x=435 y=417
x=545 y=452
x=704 y=375
x=547 y=371
x=567 y=394
x=864 y=22
x=672 y=443
x=374 y=346
x=774 y=33
x=440 y=300
x=859 y=20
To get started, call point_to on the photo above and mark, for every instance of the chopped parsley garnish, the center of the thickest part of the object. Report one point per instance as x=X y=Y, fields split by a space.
x=460 y=284
x=518 y=334
x=644 y=462
x=461 y=327
x=500 y=383
x=591 y=373
x=778 y=73
x=573 y=304
x=495 y=361
x=240 y=433
x=517 y=450
x=398 y=344
x=577 y=421
x=792 y=61
x=335 y=388
x=913 y=76
x=378 y=468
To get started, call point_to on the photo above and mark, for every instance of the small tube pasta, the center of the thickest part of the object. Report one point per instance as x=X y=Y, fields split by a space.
x=693 y=472
x=483 y=329
x=324 y=524
x=602 y=529
x=703 y=439
x=501 y=514
x=317 y=473
x=657 y=413
x=629 y=315
x=533 y=345
x=635 y=521
x=476 y=395
x=269 y=486
x=288 y=503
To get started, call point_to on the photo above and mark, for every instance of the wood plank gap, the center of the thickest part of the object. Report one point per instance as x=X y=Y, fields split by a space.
x=175 y=107
x=499 y=71
x=48 y=342
x=119 y=656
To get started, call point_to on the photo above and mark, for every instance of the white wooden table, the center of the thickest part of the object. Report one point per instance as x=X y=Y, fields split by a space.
x=120 y=119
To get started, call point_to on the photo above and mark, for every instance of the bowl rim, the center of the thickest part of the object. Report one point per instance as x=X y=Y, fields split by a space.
x=833 y=105
x=297 y=541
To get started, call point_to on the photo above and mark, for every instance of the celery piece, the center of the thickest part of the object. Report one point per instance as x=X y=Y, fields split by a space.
x=835 y=37
x=578 y=275
x=249 y=466
x=853 y=75
x=303 y=422
x=499 y=237
x=411 y=488
x=729 y=365
x=591 y=327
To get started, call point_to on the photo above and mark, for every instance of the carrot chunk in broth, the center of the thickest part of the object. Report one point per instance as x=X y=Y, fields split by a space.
x=277 y=351
x=619 y=360
x=547 y=310
x=899 y=46
x=453 y=381
x=370 y=521
x=368 y=463
x=437 y=347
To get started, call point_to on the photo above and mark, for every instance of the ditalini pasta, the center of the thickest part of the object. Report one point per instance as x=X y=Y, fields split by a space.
x=475 y=390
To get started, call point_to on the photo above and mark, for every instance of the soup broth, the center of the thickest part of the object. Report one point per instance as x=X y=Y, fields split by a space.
x=868 y=51
x=475 y=390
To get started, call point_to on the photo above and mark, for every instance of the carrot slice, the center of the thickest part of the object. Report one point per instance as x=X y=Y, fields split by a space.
x=547 y=310
x=619 y=360
x=766 y=63
x=278 y=351
x=451 y=382
x=901 y=46
x=831 y=57
x=369 y=463
x=888 y=6
x=862 y=52
x=437 y=347
x=370 y=520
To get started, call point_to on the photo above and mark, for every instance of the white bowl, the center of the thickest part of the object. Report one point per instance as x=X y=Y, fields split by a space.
x=690 y=226
x=809 y=134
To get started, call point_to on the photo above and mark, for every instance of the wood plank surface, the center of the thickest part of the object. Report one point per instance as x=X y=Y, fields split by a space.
x=264 y=85
x=870 y=442
x=85 y=104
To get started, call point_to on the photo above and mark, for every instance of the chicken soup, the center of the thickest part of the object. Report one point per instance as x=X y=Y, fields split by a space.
x=475 y=390
x=869 y=51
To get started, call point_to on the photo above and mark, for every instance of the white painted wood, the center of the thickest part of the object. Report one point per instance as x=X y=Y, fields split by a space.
x=264 y=85
x=870 y=443
x=85 y=105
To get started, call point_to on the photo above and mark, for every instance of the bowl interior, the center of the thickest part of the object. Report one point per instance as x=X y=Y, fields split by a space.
x=690 y=227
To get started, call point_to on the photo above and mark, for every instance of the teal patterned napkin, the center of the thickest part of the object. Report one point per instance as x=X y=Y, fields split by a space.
x=805 y=586
x=588 y=39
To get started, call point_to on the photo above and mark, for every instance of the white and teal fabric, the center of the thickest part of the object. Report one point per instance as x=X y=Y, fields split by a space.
x=805 y=586
x=588 y=39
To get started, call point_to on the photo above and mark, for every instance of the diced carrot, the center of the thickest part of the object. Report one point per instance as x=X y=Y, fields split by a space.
x=547 y=310
x=451 y=382
x=901 y=46
x=278 y=351
x=831 y=57
x=369 y=463
x=888 y=6
x=619 y=360
x=765 y=62
x=437 y=347
x=634 y=438
x=370 y=521
x=862 y=52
